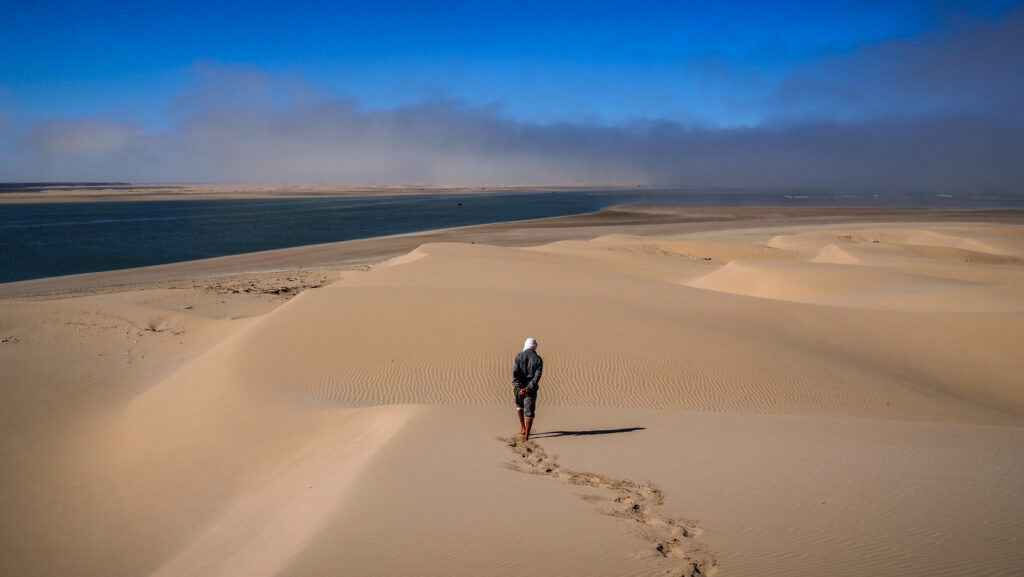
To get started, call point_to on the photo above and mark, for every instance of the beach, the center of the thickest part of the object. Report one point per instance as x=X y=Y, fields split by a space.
x=728 y=391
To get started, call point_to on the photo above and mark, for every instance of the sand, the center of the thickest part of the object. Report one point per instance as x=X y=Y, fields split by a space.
x=729 y=393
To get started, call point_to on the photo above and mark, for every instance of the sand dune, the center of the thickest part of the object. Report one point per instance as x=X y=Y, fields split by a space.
x=447 y=316
x=820 y=400
x=947 y=269
x=828 y=283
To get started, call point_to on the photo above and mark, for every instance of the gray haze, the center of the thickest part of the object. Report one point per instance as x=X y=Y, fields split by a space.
x=941 y=112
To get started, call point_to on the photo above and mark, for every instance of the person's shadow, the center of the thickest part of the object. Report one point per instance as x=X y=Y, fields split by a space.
x=550 y=434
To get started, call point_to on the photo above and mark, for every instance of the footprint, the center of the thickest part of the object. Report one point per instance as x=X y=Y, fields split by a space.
x=668 y=537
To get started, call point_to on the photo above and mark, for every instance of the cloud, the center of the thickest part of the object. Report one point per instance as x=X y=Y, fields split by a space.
x=940 y=111
x=444 y=142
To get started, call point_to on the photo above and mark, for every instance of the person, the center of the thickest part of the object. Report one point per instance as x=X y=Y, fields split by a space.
x=526 y=373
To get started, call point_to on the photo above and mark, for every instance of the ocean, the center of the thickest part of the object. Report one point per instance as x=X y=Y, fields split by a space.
x=43 y=240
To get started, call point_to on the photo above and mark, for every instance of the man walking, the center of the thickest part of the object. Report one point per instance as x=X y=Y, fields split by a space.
x=525 y=382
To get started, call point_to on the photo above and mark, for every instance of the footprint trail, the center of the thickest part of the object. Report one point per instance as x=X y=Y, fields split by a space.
x=669 y=537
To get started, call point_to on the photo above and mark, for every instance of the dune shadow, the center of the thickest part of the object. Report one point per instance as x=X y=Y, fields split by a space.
x=551 y=434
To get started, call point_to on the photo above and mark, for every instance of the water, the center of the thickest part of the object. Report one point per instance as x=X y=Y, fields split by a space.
x=42 y=240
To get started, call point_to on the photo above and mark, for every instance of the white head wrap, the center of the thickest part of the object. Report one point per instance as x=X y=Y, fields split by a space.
x=531 y=343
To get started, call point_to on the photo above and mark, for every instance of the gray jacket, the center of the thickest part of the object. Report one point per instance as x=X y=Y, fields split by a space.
x=527 y=369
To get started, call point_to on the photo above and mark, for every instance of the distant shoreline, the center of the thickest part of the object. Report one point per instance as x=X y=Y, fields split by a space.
x=87 y=192
x=30 y=186
x=38 y=193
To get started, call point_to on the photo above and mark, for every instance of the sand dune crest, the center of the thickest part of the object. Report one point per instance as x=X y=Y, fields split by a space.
x=266 y=526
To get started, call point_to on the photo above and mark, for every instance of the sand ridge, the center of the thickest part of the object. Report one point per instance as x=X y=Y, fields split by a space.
x=259 y=533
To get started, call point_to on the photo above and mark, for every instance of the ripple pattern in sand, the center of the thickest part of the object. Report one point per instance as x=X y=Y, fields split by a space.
x=397 y=381
x=693 y=380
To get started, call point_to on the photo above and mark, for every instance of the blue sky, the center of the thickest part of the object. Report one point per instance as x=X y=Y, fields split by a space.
x=135 y=90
